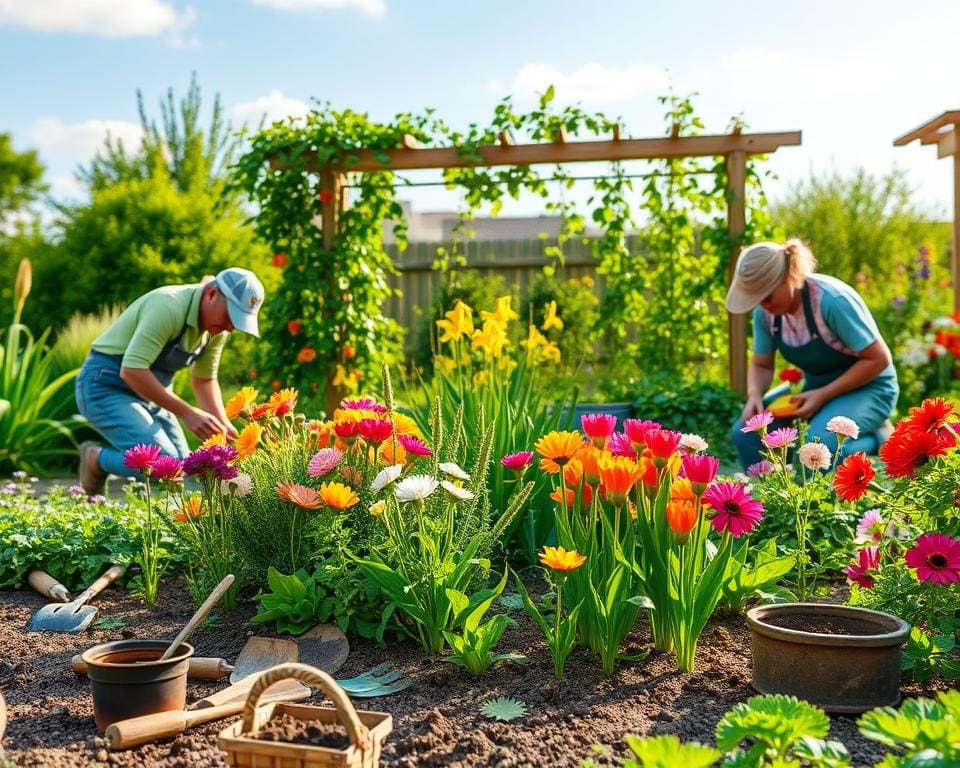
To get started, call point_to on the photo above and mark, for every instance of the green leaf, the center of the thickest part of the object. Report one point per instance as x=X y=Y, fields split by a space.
x=503 y=708
x=667 y=752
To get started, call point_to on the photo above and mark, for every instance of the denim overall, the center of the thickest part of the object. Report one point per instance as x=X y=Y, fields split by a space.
x=123 y=417
x=869 y=406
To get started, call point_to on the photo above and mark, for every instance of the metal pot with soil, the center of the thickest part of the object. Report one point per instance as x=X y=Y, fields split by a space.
x=841 y=658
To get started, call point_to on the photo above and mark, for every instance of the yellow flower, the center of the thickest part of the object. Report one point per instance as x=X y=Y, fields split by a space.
x=217 y=439
x=241 y=402
x=551 y=352
x=560 y=559
x=550 y=319
x=377 y=508
x=480 y=378
x=492 y=339
x=404 y=425
x=503 y=314
x=350 y=380
x=534 y=339
x=557 y=448
x=190 y=508
x=445 y=365
x=459 y=323
x=587 y=281
x=342 y=415
x=506 y=365
x=338 y=495
x=248 y=440
x=283 y=402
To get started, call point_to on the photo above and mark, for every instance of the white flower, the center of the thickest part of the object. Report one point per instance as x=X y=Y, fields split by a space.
x=841 y=425
x=449 y=468
x=241 y=485
x=815 y=455
x=942 y=322
x=386 y=476
x=916 y=352
x=456 y=491
x=693 y=443
x=416 y=487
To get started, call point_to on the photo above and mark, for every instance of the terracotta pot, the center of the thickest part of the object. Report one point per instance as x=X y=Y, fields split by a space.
x=841 y=658
x=128 y=679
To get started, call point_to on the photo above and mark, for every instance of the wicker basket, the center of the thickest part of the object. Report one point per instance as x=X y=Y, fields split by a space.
x=366 y=730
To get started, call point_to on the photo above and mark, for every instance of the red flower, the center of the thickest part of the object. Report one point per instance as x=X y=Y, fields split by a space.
x=375 y=430
x=936 y=558
x=307 y=355
x=325 y=197
x=662 y=443
x=294 y=327
x=260 y=411
x=792 y=375
x=280 y=259
x=636 y=430
x=700 y=470
x=930 y=416
x=908 y=450
x=598 y=427
x=347 y=430
x=348 y=352
x=861 y=572
x=853 y=476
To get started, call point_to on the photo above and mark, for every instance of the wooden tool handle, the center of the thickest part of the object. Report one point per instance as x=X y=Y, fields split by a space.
x=199 y=616
x=45 y=584
x=357 y=731
x=115 y=572
x=124 y=734
x=201 y=667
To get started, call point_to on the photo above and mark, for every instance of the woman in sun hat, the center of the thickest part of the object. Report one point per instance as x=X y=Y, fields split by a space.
x=823 y=327
x=123 y=388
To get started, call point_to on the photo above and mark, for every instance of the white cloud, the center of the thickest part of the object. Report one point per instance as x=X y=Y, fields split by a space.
x=592 y=83
x=274 y=106
x=78 y=142
x=105 y=18
x=369 y=7
x=67 y=188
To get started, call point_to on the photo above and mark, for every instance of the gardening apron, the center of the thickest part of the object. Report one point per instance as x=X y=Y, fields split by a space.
x=819 y=362
x=172 y=358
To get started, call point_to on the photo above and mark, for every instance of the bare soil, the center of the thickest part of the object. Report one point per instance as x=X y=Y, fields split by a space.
x=436 y=721
x=292 y=731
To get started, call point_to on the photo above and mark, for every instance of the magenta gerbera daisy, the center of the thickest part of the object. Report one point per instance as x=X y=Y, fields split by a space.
x=166 y=468
x=735 y=509
x=868 y=560
x=517 y=461
x=620 y=444
x=416 y=446
x=141 y=456
x=936 y=558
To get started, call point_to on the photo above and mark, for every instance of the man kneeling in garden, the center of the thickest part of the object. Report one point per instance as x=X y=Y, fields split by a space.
x=124 y=387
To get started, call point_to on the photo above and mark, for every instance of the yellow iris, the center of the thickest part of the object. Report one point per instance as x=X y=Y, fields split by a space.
x=492 y=339
x=458 y=323
x=534 y=339
x=338 y=495
x=550 y=319
x=560 y=559
x=503 y=314
x=241 y=402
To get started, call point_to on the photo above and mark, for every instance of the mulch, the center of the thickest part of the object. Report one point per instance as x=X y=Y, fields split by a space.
x=437 y=721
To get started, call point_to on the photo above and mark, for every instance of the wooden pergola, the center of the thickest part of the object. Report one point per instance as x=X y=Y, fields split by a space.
x=733 y=147
x=944 y=131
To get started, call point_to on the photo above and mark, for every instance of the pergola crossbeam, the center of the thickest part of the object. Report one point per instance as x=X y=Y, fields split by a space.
x=950 y=117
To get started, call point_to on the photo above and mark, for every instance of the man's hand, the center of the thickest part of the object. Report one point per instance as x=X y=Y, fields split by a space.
x=808 y=403
x=203 y=424
x=753 y=406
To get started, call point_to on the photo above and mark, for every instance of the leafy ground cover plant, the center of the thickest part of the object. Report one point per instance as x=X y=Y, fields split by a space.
x=294 y=602
x=925 y=732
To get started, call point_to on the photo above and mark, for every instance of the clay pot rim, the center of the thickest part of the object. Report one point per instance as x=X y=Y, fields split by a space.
x=92 y=655
x=756 y=620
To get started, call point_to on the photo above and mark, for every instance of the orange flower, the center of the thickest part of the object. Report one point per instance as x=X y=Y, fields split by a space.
x=681 y=517
x=283 y=402
x=217 y=439
x=322 y=431
x=300 y=495
x=276 y=384
x=391 y=452
x=649 y=470
x=560 y=559
x=352 y=475
x=338 y=495
x=348 y=352
x=189 y=509
x=280 y=259
x=681 y=489
x=248 y=440
x=294 y=327
x=590 y=458
x=241 y=402
x=307 y=355
x=572 y=477
x=618 y=474
x=557 y=448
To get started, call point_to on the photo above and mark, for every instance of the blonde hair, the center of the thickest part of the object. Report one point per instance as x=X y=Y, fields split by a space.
x=800 y=260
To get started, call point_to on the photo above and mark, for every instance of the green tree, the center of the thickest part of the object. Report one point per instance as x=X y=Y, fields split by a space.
x=21 y=177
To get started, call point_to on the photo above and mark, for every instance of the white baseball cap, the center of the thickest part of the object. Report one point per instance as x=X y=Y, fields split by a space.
x=244 y=293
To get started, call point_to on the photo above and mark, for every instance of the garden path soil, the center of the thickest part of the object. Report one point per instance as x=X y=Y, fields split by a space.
x=436 y=720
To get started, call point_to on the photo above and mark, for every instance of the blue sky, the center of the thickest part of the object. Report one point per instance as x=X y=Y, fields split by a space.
x=851 y=74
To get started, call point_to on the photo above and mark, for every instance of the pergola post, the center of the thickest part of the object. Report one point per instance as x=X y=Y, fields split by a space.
x=332 y=201
x=736 y=163
x=944 y=131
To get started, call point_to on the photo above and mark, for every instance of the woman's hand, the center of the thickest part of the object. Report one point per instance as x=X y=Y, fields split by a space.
x=808 y=403
x=753 y=406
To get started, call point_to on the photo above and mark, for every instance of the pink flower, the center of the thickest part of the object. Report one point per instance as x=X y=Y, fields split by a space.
x=815 y=456
x=700 y=470
x=414 y=445
x=871 y=526
x=598 y=427
x=141 y=457
x=758 y=423
x=736 y=511
x=761 y=469
x=620 y=444
x=636 y=430
x=861 y=572
x=166 y=468
x=780 y=438
x=375 y=430
x=517 y=461
x=363 y=404
x=323 y=462
x=936 y=558
x=663 y=444
x=841 y=425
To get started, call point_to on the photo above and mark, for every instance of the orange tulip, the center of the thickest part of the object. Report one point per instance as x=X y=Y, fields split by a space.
x=681 y=517
x=618 y=474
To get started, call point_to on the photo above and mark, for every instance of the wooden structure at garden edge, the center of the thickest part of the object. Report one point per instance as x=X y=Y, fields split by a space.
x=733 y=147
x=944 y=131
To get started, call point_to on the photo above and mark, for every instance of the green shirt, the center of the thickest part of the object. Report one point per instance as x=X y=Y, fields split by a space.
x=156 y=318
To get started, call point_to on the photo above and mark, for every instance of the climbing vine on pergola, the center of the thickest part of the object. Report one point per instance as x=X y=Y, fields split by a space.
x=328 y=315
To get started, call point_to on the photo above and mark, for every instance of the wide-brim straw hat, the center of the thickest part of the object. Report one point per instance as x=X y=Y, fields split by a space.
x=760 y=269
